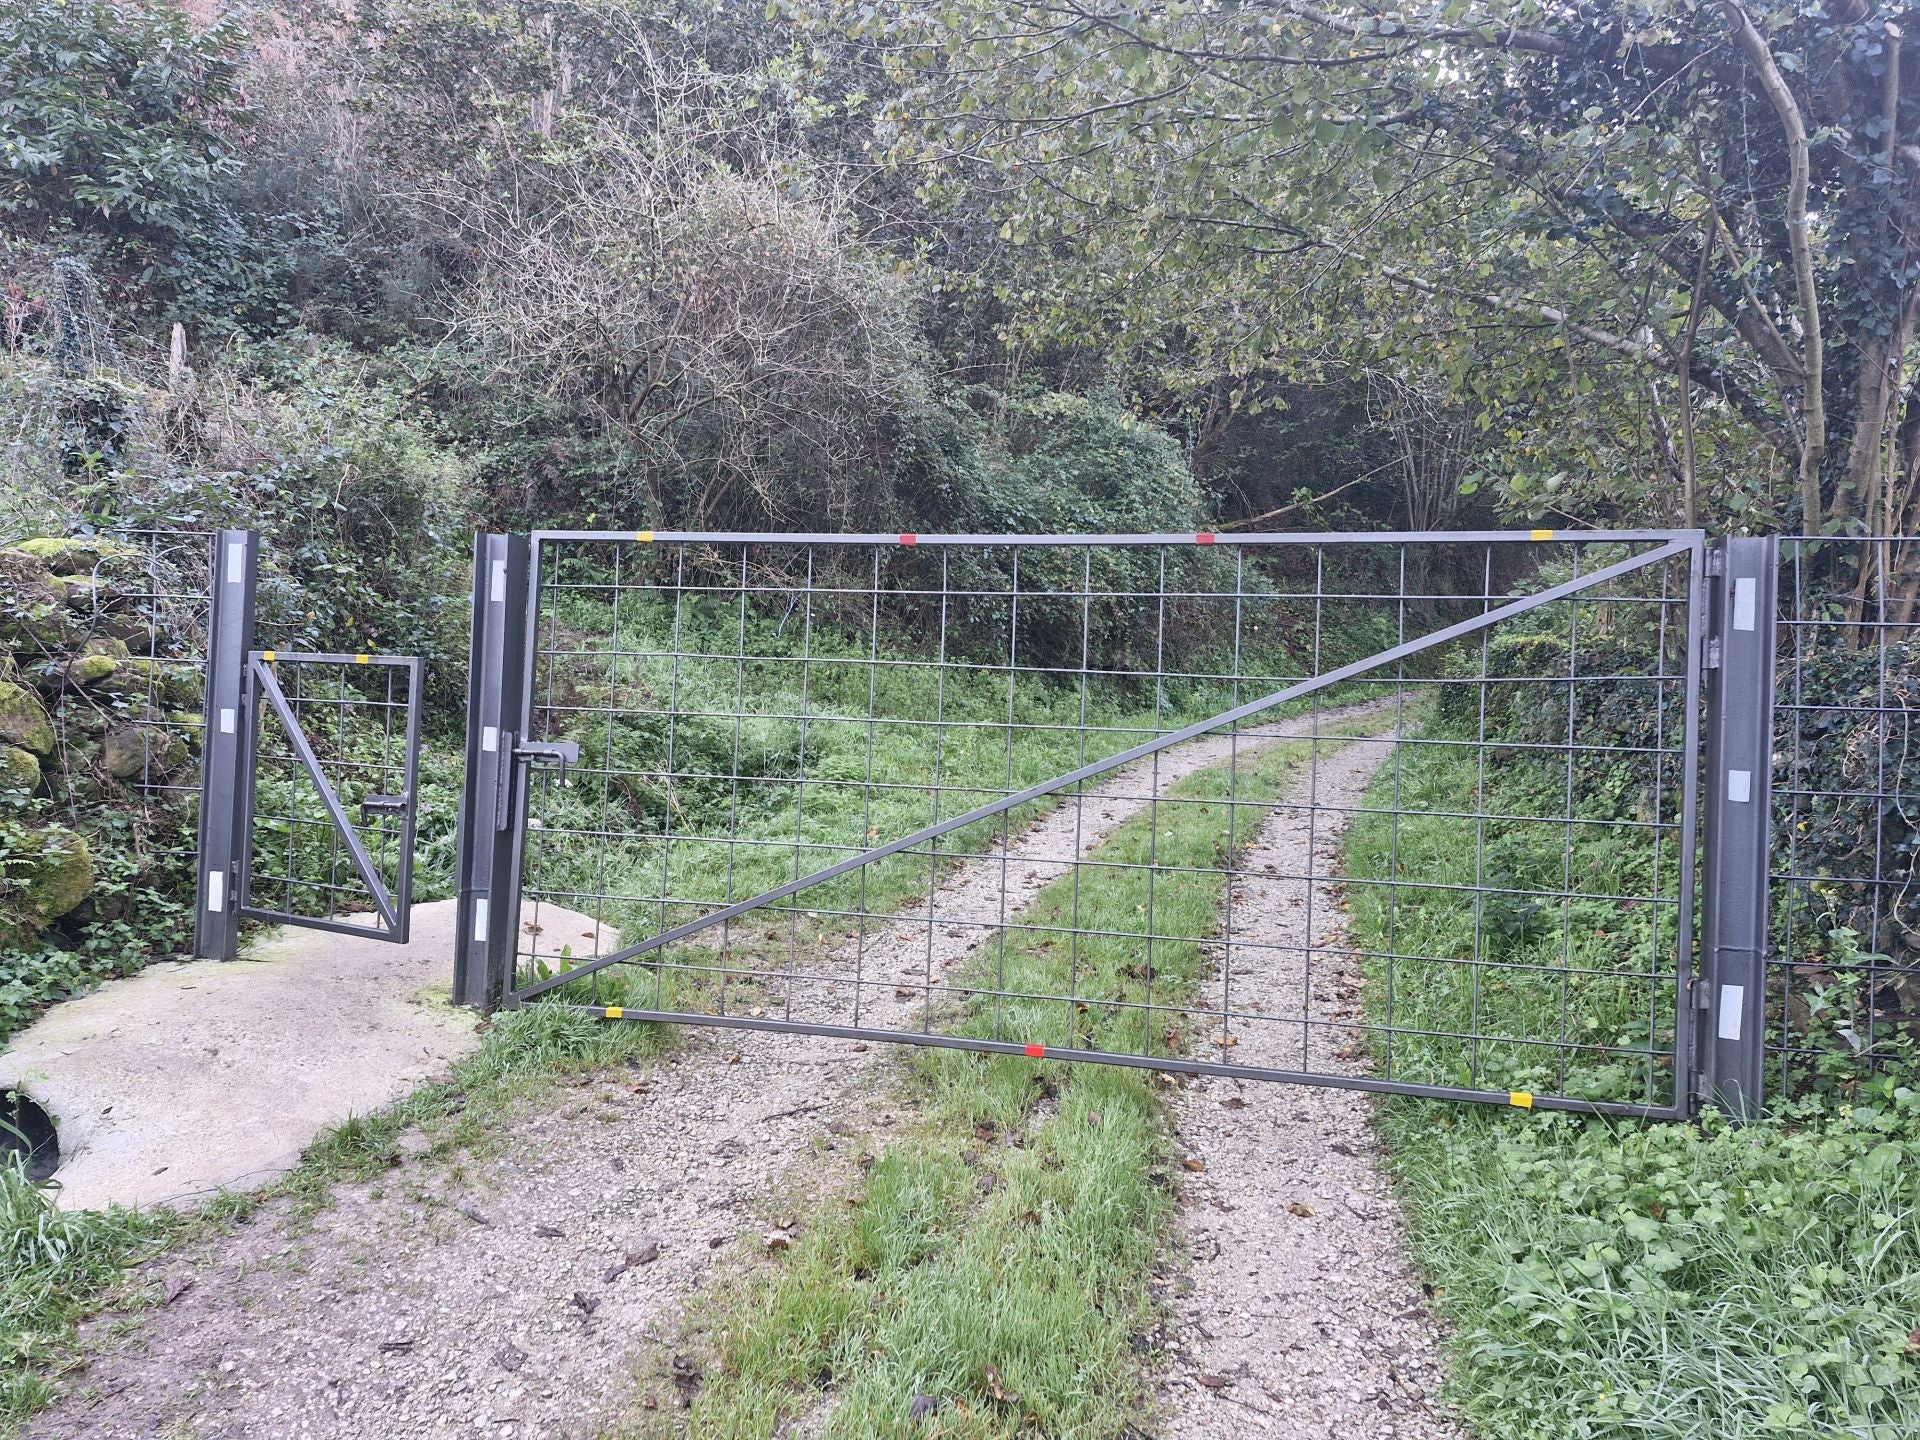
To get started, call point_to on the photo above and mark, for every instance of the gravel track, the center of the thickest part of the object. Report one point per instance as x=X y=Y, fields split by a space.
x=515 y=1293
x=1300 y=1316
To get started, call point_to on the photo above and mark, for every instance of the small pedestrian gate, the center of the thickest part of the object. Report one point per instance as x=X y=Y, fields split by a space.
x=1407 y=813
x=310 y=783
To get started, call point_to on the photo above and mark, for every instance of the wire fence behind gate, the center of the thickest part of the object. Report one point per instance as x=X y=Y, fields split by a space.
x=1845 y=991
x=753 y=711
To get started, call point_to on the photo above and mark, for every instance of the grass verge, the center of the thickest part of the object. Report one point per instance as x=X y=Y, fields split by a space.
x=1608 y=1278
x=991 y=1274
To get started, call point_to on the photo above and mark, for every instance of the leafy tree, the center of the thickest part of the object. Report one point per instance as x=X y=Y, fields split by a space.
x=1703 y=212
x=117 y=122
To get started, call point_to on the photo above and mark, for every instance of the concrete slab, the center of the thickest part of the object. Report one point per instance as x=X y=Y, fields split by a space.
x=194 y=1077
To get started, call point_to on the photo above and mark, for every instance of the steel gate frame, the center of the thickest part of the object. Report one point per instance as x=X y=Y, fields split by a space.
x=507 y=595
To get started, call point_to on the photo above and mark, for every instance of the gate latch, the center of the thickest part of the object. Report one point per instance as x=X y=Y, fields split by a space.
x=557 y=753
x=374 y=805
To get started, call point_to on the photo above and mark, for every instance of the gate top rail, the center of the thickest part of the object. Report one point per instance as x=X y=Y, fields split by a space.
x=1186 y=537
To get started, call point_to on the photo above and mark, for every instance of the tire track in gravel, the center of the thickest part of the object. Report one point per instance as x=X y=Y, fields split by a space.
x=1314 y=1321
x=491 y=1294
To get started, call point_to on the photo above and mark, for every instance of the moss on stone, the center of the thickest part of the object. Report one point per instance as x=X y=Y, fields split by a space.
x=23 y=721
x=90 y=669
x=72 y=554
x=19 y=769
x=58 y=878
x=135 y=750
x=33 y=604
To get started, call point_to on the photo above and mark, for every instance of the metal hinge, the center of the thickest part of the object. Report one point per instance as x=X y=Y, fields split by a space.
x=1716 y=561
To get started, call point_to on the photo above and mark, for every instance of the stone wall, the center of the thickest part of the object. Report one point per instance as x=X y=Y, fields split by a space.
x=100 y=690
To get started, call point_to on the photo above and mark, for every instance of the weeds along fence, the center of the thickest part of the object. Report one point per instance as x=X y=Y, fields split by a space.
x=1844 y=982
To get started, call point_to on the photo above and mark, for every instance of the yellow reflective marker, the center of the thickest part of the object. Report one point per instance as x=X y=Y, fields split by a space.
x=268 y=655
x=1521 y=1098
x=645 y=537
x=1543 y=534
x=363 y=659
x=614 y=1012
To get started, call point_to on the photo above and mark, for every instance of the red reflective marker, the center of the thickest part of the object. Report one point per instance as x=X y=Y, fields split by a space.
x=1203 y=538
x=1034 y=1052
x=909 y=539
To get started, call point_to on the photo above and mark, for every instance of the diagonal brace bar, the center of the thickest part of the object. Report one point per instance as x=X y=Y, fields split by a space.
x=362 y=862
x=1114 y=762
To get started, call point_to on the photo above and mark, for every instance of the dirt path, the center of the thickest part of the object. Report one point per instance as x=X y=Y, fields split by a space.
x=493 y=1295
x=1300 y=1316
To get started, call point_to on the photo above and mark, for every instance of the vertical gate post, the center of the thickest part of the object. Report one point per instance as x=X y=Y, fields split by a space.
x=1739 y=824
x=236 y=564
x=483 y=959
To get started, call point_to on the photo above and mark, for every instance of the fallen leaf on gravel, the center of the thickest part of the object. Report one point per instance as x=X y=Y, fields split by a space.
x=585 y=1302
x=775 y=1240
x=395 y=1347
x=619 y=1165
x=922 y=1407
x=474 y=1215
x=1191 y=1163
x=1226 y=1042
x=714 y=1242
x=1093 y=1117
x=858 y=1049
x=1913 y=1342
x=1213 y=1382
x=785 y=1222
x=734 y=1058
x=1234 y=1102
x=176 y=1286
x=1029 y=1217
x=1294 y=1207
x=549 y=1232
x=902 y=992
x=509 y=1356
x=645 y=1255
x=613 y=1274
x=997 y=1387
x=649 y=1401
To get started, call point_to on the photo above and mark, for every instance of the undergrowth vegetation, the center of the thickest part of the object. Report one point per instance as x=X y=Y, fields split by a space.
x=1617 y=1278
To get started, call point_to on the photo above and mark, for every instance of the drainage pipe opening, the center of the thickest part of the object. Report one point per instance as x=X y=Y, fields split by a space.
x=27 y=1133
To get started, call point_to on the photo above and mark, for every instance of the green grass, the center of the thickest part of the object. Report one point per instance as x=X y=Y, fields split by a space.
x=1612 y=1278
x=1499 y=979
x=998 y=1257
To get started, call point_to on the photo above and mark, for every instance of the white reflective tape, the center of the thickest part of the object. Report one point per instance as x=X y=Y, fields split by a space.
x=1732 y=1001
x=236 y=562
x=1739 y=786
x=1745 y=592
x=229 y=722
x=497 y=586
x=489 y=738
x=480 y=917
x=216 y=892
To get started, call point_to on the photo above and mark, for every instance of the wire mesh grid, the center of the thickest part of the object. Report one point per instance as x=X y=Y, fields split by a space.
x=1844 y=990
x=129 y=700
x=330 y=799
x=1464 y=870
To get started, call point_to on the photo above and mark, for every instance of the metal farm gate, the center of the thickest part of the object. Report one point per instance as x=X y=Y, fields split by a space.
x=1092 y=798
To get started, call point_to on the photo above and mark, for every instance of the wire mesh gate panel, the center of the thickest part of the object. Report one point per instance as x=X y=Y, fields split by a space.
x=330 y=767
x=1411 y=813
